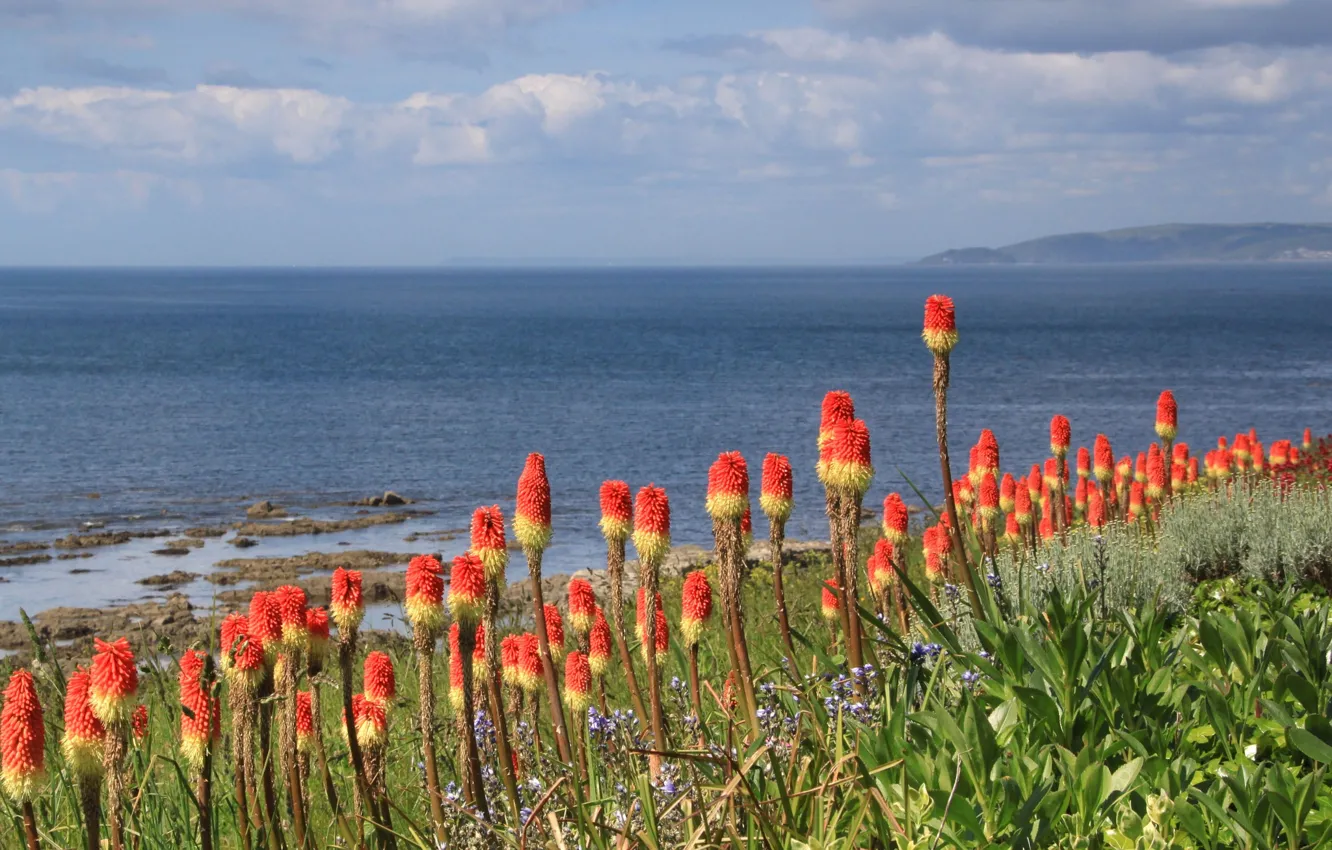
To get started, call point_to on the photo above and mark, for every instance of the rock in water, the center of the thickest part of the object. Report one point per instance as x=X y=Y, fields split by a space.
x=265 y=509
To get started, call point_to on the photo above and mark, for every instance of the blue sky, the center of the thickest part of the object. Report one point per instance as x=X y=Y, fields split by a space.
x=384 y=132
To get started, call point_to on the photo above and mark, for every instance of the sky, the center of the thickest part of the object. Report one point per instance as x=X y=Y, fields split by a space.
x=425 y=132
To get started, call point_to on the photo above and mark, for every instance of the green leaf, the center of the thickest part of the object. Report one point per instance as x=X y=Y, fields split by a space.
x=1125 y=774
x=1310 y=744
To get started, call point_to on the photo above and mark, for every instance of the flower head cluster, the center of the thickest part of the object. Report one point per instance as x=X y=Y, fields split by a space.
x=776 y=492
x=488 y=541
x=347 y=606
x=531 y=519
x=22 y=739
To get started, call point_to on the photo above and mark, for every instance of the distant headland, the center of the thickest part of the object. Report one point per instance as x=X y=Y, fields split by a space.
x=1166 y=243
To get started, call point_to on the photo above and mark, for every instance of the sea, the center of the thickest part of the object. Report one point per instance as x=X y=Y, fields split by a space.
x=178 y=397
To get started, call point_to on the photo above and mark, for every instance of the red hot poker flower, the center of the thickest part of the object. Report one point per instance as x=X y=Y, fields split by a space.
x=1140 y=468
x=1084 y=462
x=347 y=605
x=266 y=624
x=139 y=722
x=380 y=684
x=457 y=683
x=831 y=601
x=940 y=327
x=290 y=604
x=775 y=497
x=554 y=631
x=531 y=670
x=1095 y=508
x=488 y=542
x=599 y=645
x=1060 y=435
x=987 y=453
x=480 y=670
x=115 y=681
x=234 y=625
x=425 y=594
x=531 y=519
x=837 y=407
x=577 y=682
x=1007 y=493
x=582 y=605
x=895 y=519
x=695 y=606
x=845 y=463
x=652 y=524
x=1167 y=416
x=879 y=567
x=617 y=511
x=1012 y=531
x=316 y=623
x=1104 y=459
x=988 y=499
x=84 y=733
x=304 y=722
x=22 y=739
x=1022 y=505
x=511 y=653
x=728 y=487
x=200 y=714
x=467 y=589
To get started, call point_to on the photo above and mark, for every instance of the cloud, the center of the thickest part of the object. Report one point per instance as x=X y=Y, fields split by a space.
x=1160 y=26
x=100 y=69
x=230 y=75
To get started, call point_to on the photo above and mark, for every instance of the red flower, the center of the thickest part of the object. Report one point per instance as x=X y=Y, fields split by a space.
x=1034 y=483
x=1136 y=501
x=234 y=626
x=599 y=645
x=844 y=463
x=488 y=542
x=84 y=733
x=987 y=453
x=347 y=606
x=652 y=524
x=511 y=653
x=1007 y=493
x=371 y=720
x=266 y=623
x=290 y=603
x=1193 y=469
x=617 y=511
x=199 y=716
x=1095 y=508
x=1051 y=479
x=1140 y=469
x=115 y=681
x=22 y=739
x=895 y=519
x=831 y=600
x=746 y=529
x=1104 y=461
x=467 y=588
x=1308 y=439
x=380 y=685
x=304 y=722
x=425 y=593
x=582 y=605
x=663 y=635
x=577 y=682
x=933 y=568
x=1046 y=528
x=1167 y=416
x=1022 y=504
x=728 y=486
x=775 y=497
x=531 y=520
x=1080 y=494
x=940 y=330
x=695 y=606
x=554 y=632
x=837 y=407
x=316 y=623
x=1059 y=435
x=480 y=669
x=457 y=685
x=1180 y=452
x=879 y=567
x=531 y=670
x=1012 y=531
x=1084 y=462
x=989 y=498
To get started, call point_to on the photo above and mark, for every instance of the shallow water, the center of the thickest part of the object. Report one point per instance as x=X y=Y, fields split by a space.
x=180 y=396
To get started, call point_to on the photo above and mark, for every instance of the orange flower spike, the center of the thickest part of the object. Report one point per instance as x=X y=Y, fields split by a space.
x=266 y=624
x=1095 y=508
x=316 y=625
x=1140 y=468
x=962 y=491
x=880 y=567
x=1080 y=494
x=1103 y=460
x=554 y=631
x=663 y=636
x=933 y=568
x=1034 y=483
x=895 y=519
x=1167 y=416
x=1307 y=443
x=1012 y=530
x=1156 y=474
x=371 y=722
x=1193 y=469
x=831 y=601
x=844 y=463
x=347 y=606
x=776 y=491
x=199 y=712
x=1060 y=435
x=22 y=739
x=973 y=466
x=304 y=722
x=1241 y=450
x=1007 y=493
x=488 y=542
x=467 y=589
x=728 y=487
x=695 y=606
x=1257 y=455
x=531 y=671
x=1022 y=505
x=599 y=645
x=1084 y=462
x=457 y=687
x=577 y=682
x=511 y=653
x=114 y=683
x=940 y=327
x=531 y=519
x=1046 y=528
x=617 y=511
x=987 y=454
x=988 y=499
x=1051 y=477
x=234 y=625
x=480 y=671
x=582 y=605
x=837 y=407
x=424 y=604
x=652 y=524
x=84 y=733
x=290 y=602
x=139 y=723
x=1137 y=501
x=746 y=530
x=380 y=684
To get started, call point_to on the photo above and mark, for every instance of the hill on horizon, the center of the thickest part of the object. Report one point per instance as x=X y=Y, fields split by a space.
x=1165 y=243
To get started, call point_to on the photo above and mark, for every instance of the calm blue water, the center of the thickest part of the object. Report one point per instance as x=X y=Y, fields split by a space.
x=189 y=390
